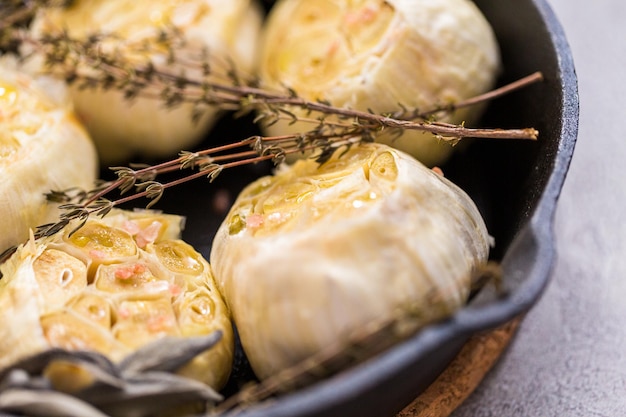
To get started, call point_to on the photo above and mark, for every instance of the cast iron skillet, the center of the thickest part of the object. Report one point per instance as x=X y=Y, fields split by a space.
x=515 y=184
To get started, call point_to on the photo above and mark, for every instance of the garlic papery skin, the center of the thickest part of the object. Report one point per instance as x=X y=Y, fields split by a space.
x=43 y=147
x=380 y=55
x=310 y=255
x=145 y=127
x=115 y=285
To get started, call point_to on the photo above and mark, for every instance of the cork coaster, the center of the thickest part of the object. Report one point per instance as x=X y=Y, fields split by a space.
x=463 y=375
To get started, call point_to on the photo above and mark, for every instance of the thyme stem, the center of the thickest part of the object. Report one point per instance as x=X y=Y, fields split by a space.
x=106 y=61
x=76 y=59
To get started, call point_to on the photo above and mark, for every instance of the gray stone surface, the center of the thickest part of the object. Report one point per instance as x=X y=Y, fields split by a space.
x=569 y=357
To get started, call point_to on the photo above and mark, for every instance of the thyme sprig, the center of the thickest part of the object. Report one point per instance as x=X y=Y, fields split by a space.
x=142 y=68
x=108 y=62
x=322 y=142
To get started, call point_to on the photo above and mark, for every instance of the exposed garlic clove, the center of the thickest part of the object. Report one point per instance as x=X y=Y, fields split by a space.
x=310 y=255
x=377 y=55
x=99 y=290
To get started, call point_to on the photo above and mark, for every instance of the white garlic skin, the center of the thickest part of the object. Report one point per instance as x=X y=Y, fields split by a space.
x=377 y=55
x=123 y=129
x=43 y=147
x=306 y=257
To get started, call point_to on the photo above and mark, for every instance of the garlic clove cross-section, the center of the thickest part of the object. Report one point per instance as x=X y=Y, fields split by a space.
x=313 y=253
x=114 y=286
x=380 y=55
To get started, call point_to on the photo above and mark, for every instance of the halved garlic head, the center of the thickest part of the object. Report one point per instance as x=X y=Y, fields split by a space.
x=228 y=30
x=313 y=253
x=379 y=55
x=114 y=286
x=43 y=147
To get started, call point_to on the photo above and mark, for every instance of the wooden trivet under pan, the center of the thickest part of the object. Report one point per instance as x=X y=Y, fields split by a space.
x=463 y=375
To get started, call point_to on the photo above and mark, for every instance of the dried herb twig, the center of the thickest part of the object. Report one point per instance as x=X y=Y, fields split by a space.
x=102 y=61
x=322 y=141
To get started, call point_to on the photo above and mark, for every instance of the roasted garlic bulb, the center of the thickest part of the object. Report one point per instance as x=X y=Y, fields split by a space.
x=43 y=147
x=228 y=30
x=313 y=253
x=380 y=55
x=113 y=286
